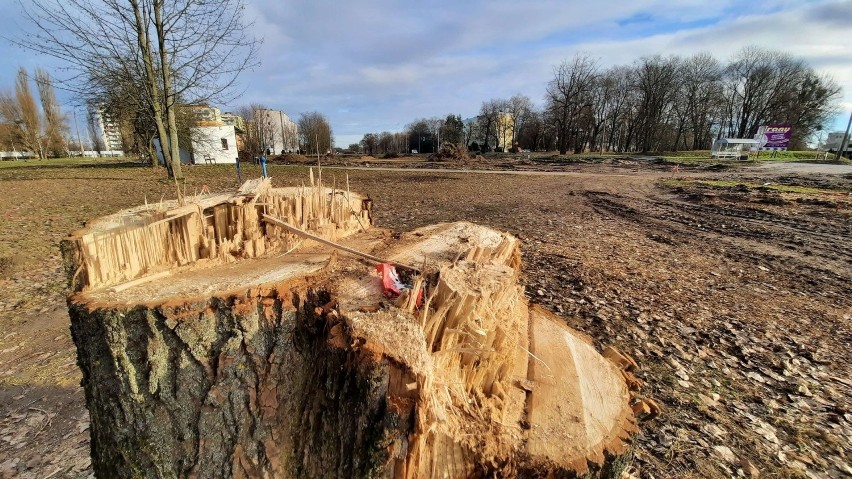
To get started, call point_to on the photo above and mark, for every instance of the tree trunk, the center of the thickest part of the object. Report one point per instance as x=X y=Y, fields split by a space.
x=216 y=345
x=169 y=99
x=144 y=42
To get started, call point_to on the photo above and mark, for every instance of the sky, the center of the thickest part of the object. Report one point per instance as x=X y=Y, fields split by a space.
x=376 y=65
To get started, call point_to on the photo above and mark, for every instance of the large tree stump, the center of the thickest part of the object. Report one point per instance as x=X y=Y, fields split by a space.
x=214 y=344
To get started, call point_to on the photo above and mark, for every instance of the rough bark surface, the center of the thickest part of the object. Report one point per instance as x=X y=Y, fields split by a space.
x=232 y=387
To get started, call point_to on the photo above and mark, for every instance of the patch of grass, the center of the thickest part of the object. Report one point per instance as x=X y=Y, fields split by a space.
x=65 y=162
x=727 y=184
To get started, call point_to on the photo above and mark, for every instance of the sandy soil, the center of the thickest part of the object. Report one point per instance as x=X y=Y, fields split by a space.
x=733 y=295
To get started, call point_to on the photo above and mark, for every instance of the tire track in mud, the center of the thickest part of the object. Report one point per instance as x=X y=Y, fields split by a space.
x=813 y=253
x=807 y=236
x=822 y=229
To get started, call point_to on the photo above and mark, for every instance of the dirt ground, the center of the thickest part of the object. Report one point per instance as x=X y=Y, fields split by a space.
x=730 y=286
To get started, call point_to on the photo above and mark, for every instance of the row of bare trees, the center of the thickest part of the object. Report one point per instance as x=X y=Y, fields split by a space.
x=384 y=143
x=38 y=127
x=675 y=103
x=140 y=61
x=424 y=135
x=660 y=104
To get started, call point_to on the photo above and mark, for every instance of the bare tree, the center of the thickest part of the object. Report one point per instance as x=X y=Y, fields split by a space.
x=420 y=135
x=701 y=94
x=488 y=122
x=471 y=133
x=531 y=132
x=8 y=134
x=119 y=94
x=95 y=140
x=656 y=85
x=261 y=130
x=386 y=142
x=568 y=94
x=435 y=125
x=30 y=119
x=368 y=143
x=809 y=107
x=401 y=142
x=519 y=107
x=179 y=51
x=315 y=135
x=21 y=113
x=54 y=121
x=505 y=126
x=773 y=87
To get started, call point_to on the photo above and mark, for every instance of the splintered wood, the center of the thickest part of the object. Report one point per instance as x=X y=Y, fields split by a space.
x=458 y=377
x=496 y=364
x=213 y=228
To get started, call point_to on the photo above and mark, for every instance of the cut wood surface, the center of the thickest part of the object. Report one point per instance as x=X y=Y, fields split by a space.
x=574 y=410
x=259 y=353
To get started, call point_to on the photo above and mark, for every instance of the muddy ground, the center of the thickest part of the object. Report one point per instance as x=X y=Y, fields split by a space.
x=731 y=287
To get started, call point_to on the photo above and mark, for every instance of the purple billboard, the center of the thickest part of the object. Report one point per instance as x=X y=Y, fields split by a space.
x=774 y=137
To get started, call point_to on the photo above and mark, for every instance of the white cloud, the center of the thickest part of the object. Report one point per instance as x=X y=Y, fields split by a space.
x=375 y=65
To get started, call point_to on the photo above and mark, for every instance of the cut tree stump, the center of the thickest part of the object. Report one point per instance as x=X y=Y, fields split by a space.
x=214 y=344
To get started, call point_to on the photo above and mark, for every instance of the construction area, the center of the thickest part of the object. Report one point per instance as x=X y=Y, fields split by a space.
x=619 y=319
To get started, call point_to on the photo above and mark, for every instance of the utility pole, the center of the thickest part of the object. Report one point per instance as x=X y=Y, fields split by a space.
x=844 y=141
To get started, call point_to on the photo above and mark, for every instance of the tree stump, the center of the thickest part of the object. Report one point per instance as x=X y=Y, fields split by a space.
x=214 y=344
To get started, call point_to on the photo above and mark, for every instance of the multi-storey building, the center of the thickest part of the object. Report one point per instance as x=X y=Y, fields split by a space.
x=231 y=119
x=205 y=115
x=505 y=127
x=108 y=131
x=276 y=130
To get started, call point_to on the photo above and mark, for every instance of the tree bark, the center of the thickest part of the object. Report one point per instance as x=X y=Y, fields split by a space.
x=248 y=388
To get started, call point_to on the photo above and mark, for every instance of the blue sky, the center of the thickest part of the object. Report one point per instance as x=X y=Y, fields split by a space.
x=375 y=65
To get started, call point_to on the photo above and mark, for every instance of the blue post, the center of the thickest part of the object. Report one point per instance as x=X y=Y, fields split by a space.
x=263 y=164
x=239 y=174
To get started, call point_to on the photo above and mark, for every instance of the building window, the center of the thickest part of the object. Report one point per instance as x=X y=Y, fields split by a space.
x=224 y=143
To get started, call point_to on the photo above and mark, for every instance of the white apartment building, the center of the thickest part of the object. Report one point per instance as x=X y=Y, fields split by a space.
x=108 y=131
x=277 y=130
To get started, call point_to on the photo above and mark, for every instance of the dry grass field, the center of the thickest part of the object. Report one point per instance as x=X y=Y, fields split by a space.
x=731 y=289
